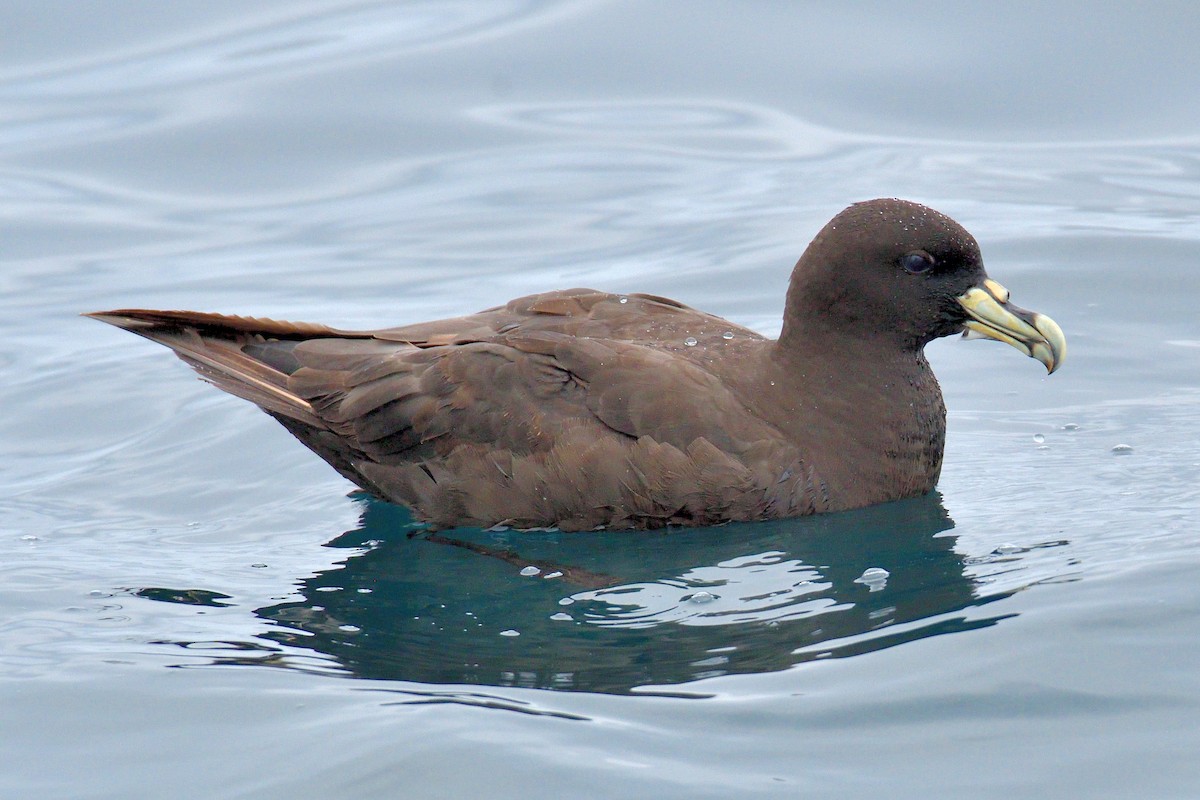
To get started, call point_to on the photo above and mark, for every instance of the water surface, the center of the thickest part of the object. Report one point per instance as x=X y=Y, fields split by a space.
x=188 y=599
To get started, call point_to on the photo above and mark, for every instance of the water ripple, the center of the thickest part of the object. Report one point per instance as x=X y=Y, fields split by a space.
x=289 y=44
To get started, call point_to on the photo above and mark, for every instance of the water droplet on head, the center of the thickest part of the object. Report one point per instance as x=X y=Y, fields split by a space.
x=530 y=570
x=1122 y=450
x=690 y=341
x=727 y=335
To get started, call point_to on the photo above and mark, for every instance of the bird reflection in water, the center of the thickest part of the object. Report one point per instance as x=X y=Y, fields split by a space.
x=621 y=612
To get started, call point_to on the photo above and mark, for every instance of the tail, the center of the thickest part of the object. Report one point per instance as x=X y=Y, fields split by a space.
x=232 y=353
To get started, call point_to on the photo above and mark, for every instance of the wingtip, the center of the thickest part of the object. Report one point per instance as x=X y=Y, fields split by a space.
x=122 y=318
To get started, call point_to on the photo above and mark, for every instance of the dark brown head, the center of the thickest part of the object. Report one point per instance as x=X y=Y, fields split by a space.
x=901 y=274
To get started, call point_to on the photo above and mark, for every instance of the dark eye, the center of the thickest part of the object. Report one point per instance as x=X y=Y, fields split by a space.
x=917 y=263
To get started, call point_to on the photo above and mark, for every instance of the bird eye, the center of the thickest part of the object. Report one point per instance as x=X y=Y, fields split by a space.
x=917 y=263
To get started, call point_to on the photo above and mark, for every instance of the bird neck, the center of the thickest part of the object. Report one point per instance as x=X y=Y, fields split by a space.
x=876 y=412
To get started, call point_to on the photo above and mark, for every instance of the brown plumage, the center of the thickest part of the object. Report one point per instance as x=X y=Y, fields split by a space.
x=578 y=409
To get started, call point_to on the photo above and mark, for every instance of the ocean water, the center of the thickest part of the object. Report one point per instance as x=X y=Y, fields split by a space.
x=191 y=605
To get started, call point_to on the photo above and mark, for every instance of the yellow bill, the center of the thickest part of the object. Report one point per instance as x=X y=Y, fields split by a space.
x=992 y=316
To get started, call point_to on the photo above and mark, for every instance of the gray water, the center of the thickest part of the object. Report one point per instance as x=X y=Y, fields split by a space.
x=193 y=606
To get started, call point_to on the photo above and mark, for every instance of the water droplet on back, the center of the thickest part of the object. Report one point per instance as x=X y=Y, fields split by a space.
x=690 y=341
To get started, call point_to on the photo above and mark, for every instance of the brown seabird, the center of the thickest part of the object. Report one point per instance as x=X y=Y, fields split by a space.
x=581 y=409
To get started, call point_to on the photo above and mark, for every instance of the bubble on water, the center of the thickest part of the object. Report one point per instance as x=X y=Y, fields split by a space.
x=364 y=590
x=874 y=578
x=727 y=335
x=552 y=575
x=561 y=616
x=349 y=628
x=702 y=597
x=1007 y=549
x=1070 y=426
x=531 y=571
x=258 y=566
x=1038 y=438
x=329 y=588
x=29 y=537
x=566 y=601
x=1122 y=450
x=690 y=341
x=510 y=632
x=623 y=300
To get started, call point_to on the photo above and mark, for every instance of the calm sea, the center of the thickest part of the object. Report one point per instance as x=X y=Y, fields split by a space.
x=193 y=606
